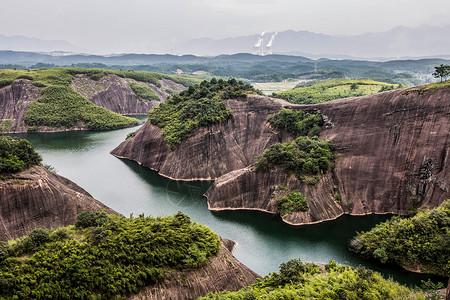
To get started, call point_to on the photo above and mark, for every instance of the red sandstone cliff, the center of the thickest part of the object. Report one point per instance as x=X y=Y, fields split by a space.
x=111 y=92
x=38 y=197
x=394 y=146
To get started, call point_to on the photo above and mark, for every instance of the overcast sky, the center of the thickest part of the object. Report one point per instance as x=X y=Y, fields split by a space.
x=150 y=26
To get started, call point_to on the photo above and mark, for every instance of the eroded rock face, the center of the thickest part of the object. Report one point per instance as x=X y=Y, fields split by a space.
x=394 y=150
x=113 y=93
x=222 y=272
x=14 y=101
x=38 y=197
x=210 y=151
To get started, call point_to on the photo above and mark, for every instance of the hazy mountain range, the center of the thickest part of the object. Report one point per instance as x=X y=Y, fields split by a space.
x=400 y=42
x=422 y=41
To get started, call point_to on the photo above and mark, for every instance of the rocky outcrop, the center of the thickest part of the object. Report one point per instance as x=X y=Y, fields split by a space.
x=211 y=151
x=38 y=197
x=394 y=150
x=113 y=92
x=14 y=101
x=249 y=189
x=222 y=272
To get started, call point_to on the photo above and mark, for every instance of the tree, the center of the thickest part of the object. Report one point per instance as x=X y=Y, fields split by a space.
x=442 y=71
x=354 y=86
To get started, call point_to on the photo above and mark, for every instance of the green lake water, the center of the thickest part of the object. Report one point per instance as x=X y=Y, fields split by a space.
x=263 y=241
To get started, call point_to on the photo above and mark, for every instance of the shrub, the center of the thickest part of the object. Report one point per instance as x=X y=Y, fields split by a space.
x=421 y=241
x=303 y=157
x=16 y=155
x=293 y=202
x=89 y=218
x=297 y=122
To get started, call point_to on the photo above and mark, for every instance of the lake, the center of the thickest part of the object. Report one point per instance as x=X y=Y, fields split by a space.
x=263 y=240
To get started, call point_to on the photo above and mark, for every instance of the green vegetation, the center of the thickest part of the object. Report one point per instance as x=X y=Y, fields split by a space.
x=334 y=89
x=292 y=202
x=297 y=280
x=60 y=105
x=442 y=72
x=304 y=157
x=420 y=242
x=199 y=105
x=143 y=91
x=297 y=122
x=102 y=257
x=16 y=155
x=6 y=125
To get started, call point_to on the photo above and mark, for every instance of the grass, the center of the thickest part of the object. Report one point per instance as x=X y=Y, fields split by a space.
x=143 y=91
x=333 y=89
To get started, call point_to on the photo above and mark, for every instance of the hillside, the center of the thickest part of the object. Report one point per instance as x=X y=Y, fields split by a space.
x=392 y=146
x=109 y=256
x=297 y=280
x=73 y=99
x=419 y=243
x=333 y=89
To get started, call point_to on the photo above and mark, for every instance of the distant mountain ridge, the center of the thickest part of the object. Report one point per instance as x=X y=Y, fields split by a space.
x=24 y=43
x=422 y=41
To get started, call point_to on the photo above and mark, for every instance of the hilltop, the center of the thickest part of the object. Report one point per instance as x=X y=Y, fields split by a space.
x=73 y=99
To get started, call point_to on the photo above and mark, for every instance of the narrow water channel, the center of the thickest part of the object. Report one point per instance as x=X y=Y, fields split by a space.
x=263 y=241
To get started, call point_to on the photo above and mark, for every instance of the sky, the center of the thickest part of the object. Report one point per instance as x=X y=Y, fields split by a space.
x=144 y=26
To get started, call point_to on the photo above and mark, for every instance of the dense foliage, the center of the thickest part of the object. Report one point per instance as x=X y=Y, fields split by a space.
x=297 y=280
x=304 y=157
x=297 y=122
x=199 y=105
x=115 y=257
x=143 y=91
x=333 y=89
x=60 y=105
x=292 y=202
x=16 y=155
x=420 y=242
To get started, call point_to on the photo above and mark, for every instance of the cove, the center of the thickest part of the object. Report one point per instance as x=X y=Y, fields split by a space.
x=263 y=241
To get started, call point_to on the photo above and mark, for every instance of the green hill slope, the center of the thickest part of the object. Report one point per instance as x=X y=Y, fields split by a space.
x=334 y=89
x=102 y=256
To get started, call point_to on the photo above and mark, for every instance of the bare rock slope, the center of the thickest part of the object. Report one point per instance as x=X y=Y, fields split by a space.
x=38 y=197
x=394 y=150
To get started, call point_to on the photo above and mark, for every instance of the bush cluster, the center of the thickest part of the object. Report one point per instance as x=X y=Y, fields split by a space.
x=109 y=256
x=297 y=280
x=297 y=122
x=421 y=241
x=16 y=155
x=199 y=105
x=303 y=157
x=292 y=202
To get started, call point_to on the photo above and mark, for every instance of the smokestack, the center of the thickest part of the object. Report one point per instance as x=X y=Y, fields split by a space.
x=269 y=44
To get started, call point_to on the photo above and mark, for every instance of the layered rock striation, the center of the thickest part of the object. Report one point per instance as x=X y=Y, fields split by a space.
x=38 y=197
x=394 y=150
